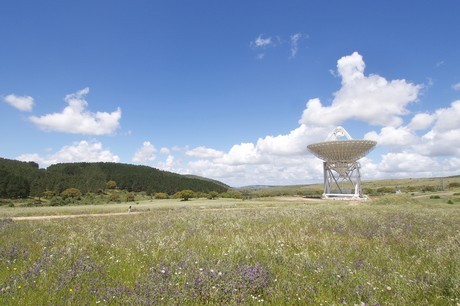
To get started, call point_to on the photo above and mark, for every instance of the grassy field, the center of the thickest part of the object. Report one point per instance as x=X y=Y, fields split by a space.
x=395 y=250
x=370 y=187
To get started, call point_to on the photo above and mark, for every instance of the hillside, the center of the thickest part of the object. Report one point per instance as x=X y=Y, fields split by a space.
x=21 y=179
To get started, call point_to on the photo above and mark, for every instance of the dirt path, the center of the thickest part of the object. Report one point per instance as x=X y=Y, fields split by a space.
x=295 y=199
x=31 y=218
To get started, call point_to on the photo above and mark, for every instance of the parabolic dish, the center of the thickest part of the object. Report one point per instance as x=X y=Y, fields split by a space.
x=342 y=150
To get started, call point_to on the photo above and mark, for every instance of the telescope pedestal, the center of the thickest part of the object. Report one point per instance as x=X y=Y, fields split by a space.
x=342 y=181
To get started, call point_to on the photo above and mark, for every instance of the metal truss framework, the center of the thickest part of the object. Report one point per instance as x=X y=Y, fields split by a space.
x=342 y=180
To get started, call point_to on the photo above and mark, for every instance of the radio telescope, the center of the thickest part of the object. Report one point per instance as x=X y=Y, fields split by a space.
x=342 y=179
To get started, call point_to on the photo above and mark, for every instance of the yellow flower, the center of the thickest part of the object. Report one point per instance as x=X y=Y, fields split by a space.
x=19 y=287
x=70 y=290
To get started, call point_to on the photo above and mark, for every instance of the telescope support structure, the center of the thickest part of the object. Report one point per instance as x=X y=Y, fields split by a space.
x=342 y=180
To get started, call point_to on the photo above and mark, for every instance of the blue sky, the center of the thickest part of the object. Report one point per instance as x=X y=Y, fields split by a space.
x=232 y=90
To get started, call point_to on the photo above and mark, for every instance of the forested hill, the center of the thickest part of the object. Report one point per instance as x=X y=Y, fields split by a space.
x=21 y=179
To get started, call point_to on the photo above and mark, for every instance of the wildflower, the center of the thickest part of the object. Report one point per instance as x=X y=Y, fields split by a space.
x=19 y=287
x=70 y=290
x=388 y=288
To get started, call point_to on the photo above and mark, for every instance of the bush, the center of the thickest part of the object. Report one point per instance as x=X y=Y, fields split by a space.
x=212 y=195
x=161 y=196
x=450 y=202
x=47 y=194
x=57 y=201
x=71 y=193
x=185 y=195
x=383 y=190
x=114 y=197
x=231 y=194
x=428 y=189
x=435 y=197
x=130 y=197
x=111 y=185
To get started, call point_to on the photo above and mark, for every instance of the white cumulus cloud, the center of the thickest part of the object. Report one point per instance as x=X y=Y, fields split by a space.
x=76 y=119
x=371 y=99
x=421 y=121
x=407 y=162
x=82 y=151
x=22 y=103
x=456 y=86
x=293 y=143
x=244 y=153
x=165 y=151
x=204 y=152
x=391 y=136
x=145 y=153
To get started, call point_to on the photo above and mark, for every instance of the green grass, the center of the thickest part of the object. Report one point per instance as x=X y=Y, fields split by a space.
x=394 y=250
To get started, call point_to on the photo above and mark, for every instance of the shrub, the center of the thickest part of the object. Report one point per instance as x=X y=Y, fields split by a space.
x=185 y=195
x=231 y=194
x=114 y=197
x=48 y=194
x=57 y=201
x=130 y=197
x=450 y=202
x=111 y=185
x=383 y=190
x=161 y=196
x=435 y=197
x=71 y=193
x=428 y=188
x=212 y=195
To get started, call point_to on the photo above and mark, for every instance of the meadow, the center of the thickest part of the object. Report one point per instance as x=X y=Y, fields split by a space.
x=395 y=250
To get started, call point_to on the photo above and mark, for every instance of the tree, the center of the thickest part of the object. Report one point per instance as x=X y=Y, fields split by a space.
x=111 y=184
x=18 y=187
x=185 y=195
x=212 y=195
x=71 y=193
x=12 y=186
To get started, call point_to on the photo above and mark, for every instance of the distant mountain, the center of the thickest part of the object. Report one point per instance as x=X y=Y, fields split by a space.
x=258 y=186
x=19 y=179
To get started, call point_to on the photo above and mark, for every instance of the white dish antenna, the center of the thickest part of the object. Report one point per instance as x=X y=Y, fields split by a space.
x=342 y=178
